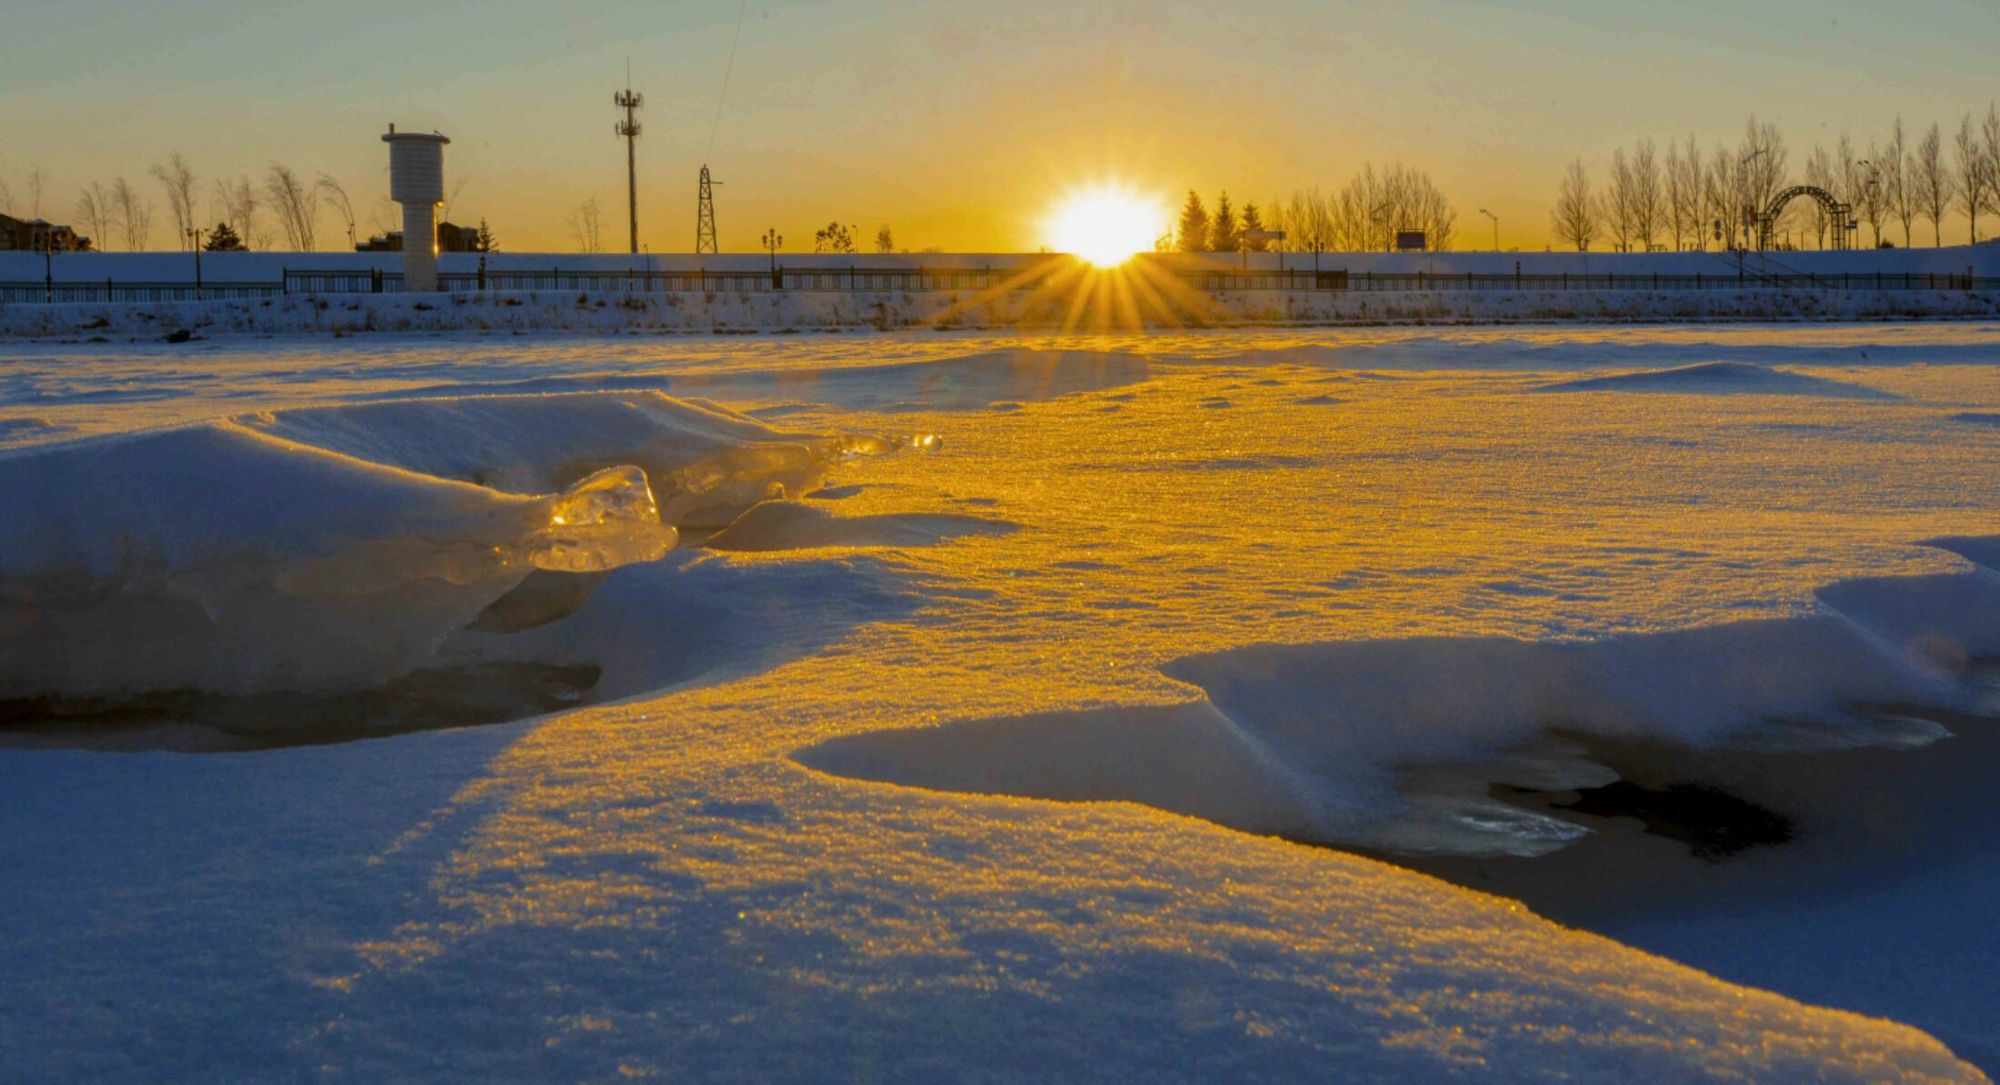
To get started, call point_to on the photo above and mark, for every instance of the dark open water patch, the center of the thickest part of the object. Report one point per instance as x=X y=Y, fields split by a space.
x=1711 y=822
x=199 y=722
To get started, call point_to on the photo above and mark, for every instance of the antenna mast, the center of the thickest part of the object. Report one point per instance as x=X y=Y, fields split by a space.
x=630 y=100
x=704 y=216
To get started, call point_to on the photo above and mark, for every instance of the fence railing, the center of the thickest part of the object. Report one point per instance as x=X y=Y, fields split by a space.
x=110 y=291
x=920 y=279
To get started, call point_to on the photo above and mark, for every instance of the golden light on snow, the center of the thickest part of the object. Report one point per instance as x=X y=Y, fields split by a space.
x=1105 y=224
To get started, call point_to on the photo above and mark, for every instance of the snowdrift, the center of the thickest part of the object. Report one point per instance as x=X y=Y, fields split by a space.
x=1311 y=741
x=965 y=382
x=1720 y=378
x=339 y=547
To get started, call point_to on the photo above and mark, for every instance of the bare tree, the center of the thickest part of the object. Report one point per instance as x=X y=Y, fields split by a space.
x=1897 y=192
x=1858 y=187
x=1574 y=219
x=1614 y=202
x=1990 y=130
x=1930 y=182
x=296 y=205
x=1649 y=205
x=1356 y=212
x=583 y=225
x=1689 y=196
x=1972 y=180
x=38 y=182
x=6 y=198
x=1308 y=223
x=1764 y=162
x=885 y=239
x=133 y=214
x=243 y=202
x=1820 y=173
x=1672 y=176
x=1367 y=213
x=835 y=238
x=337 y=196
x=94 y=210
x=385 y=216
x=1872 y=195
x=179 y=181
x=1724 y=192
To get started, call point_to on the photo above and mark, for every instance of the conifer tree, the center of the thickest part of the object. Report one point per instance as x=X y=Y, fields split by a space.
x=223 y=239
x=1253 y=222
x=1223 y=235
x=1194 y=225
x=485 y=242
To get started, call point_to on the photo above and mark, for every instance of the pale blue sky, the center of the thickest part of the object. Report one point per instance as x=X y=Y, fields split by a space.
x=957 y=122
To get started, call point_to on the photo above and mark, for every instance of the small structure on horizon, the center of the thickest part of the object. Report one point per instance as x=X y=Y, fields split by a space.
x=416 y=180
x=37 y=235
x=451 y=237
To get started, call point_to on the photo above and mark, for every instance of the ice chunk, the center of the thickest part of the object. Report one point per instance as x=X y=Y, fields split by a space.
x=607 y=520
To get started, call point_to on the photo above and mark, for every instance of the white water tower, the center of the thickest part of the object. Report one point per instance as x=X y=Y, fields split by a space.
x=416 y=180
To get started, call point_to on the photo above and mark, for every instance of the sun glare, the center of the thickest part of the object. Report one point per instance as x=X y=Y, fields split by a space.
x=1104 y=225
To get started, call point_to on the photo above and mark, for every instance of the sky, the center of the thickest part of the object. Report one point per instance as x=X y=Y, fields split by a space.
x=958 y=124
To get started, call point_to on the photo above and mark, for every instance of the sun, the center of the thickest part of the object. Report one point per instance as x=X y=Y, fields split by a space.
x=1104 y=224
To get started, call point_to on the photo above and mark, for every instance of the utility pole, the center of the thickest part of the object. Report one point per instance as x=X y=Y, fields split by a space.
x=630 y=100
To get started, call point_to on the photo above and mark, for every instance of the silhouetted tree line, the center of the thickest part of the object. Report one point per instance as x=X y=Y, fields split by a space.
x=1688 y=199
x=1364 y=215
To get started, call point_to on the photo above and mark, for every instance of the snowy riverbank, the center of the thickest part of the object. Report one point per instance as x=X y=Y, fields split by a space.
x=600 y=313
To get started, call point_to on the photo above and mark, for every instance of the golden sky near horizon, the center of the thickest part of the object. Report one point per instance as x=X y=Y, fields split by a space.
x=958 y=124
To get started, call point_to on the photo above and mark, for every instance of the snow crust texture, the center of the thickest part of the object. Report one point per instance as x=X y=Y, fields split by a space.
x=1207 y=582
x=1305 y=741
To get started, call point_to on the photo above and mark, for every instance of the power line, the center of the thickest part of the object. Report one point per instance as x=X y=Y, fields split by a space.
x=727 y=67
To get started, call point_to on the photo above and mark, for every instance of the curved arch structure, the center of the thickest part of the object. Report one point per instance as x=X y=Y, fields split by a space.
x=1840 y=214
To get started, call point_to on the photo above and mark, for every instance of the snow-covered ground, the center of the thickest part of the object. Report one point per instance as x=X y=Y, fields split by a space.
x=808 y=631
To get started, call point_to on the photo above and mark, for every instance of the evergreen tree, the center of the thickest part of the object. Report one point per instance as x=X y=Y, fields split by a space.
x=1223 y=235
x=485 y=242
x=1252 y=223
x=1194 y=225
x=223 y=239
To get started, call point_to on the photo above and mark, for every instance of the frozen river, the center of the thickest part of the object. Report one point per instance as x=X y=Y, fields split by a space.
x=780 y=806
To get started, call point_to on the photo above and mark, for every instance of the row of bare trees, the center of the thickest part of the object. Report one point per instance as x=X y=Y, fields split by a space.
x=283 y=206
x=1688 y=199
x=1365 y=214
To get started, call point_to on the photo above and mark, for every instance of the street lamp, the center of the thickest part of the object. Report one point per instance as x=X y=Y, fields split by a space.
x=773 y=240
x=194 y=234
x=1496 y=227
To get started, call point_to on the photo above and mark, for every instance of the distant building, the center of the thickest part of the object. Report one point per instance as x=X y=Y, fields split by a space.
x=35 y=235
x=451 y=238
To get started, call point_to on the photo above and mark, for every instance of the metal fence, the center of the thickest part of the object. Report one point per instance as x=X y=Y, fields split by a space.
x=921 y=279
x=110 y=291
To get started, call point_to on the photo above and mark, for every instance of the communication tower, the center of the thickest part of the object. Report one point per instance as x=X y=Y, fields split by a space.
x=704 y=216
x=630 y=100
